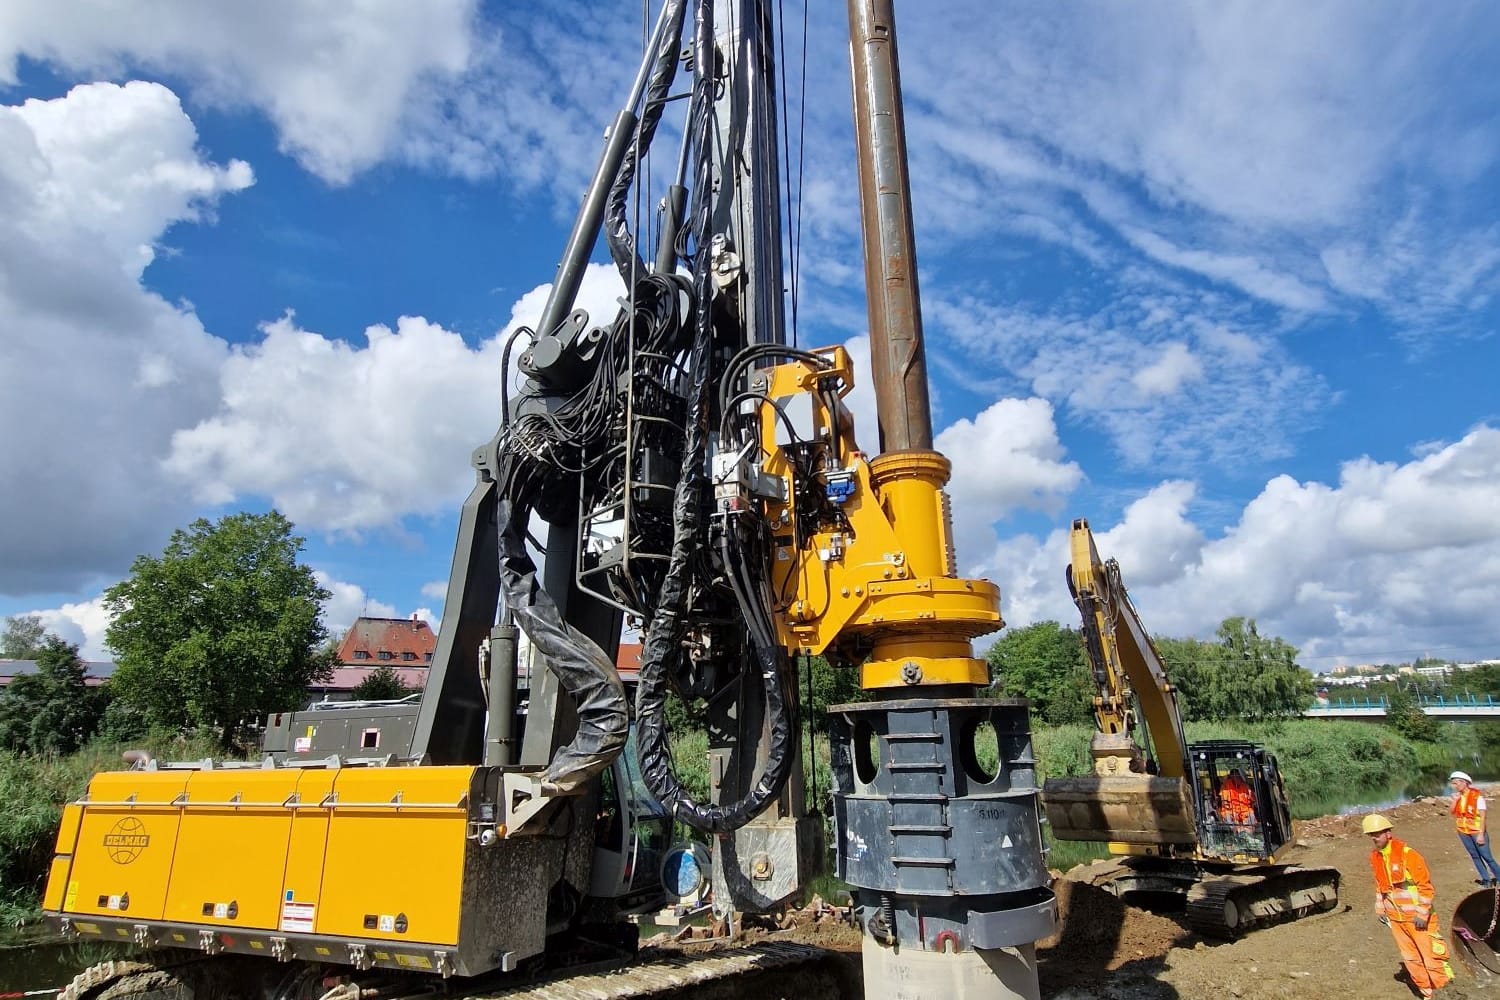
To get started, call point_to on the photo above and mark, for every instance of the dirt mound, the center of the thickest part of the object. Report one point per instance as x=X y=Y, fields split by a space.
x=1098 y=934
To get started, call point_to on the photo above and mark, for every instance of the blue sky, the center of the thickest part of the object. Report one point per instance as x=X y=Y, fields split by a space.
x=1219 y=277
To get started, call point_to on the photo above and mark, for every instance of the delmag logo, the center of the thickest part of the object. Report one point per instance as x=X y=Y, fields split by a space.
x=126 y=840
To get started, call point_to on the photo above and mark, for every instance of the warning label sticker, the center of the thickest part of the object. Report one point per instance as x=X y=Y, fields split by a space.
x=297 y=917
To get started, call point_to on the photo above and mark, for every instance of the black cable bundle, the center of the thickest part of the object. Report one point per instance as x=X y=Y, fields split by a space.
x=664 y=635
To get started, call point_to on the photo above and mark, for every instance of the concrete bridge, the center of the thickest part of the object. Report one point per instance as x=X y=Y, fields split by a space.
x=1456 y=708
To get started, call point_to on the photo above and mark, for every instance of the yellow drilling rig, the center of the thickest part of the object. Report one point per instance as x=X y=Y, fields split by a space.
x=699 y=478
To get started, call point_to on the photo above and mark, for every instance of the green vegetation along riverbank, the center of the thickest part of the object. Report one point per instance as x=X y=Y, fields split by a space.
x=1328 y=766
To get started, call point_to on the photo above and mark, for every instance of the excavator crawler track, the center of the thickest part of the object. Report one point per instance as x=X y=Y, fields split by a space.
x=797 y=970
x=1231 y=905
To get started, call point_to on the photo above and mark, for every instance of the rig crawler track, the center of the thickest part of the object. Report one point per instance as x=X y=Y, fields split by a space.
x=798 y=970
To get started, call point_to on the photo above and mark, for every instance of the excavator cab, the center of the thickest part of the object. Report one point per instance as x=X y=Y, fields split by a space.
x=1241 y=804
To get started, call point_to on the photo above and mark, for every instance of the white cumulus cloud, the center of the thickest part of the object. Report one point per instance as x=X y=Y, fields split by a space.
x=393 y=422
x=348 y=602
x=98 y=370
x=335 y=79
x=82 y=623
x=1392 y=561
x=1006 y=459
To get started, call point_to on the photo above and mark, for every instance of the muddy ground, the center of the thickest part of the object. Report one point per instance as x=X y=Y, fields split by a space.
x=1110 y=951
x=1345 y=953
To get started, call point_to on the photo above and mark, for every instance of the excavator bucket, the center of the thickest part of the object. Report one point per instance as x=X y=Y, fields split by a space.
x=1128 y=809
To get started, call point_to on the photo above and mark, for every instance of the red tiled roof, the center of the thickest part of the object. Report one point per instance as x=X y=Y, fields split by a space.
x=395 y=636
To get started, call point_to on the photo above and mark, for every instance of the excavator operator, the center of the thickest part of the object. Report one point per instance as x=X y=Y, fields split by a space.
x=1236 y=800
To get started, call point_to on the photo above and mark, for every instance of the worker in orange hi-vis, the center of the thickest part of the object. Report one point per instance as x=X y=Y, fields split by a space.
x=1403 y=902
x=1236 y=801
x=1469 y=812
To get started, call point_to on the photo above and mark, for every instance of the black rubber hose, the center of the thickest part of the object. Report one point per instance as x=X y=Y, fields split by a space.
x=582 y=668
x=622 y=244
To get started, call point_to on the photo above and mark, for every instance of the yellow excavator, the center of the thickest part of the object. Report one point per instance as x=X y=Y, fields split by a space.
x=698 y=477
x=1201 y=826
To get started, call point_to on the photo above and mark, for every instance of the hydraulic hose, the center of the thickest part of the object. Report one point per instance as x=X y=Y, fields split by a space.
x=663 y=645
x=583 y=669
x=666 y=43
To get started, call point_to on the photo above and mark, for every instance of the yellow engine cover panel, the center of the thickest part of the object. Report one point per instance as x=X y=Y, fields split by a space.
x=303 y=878
x=122 y=859
x=232 y=848
x=394 y=864
x=55 y=896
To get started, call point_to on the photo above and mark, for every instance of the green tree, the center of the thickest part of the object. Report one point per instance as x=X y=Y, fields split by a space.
x=53 y=710
x=1405 y=715
x=1242 y=675
x=381 y=684
x=825 y=684
x=1045 y=663
x=23 y=637
x=1190 y=663
x=223 y=627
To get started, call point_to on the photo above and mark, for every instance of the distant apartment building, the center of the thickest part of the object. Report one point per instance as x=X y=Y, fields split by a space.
x=405 y=645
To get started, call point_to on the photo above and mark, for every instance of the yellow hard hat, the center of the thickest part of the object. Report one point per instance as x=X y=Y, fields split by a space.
x=1375 y=823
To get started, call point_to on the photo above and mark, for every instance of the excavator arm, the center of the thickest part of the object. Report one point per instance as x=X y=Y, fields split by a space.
x=1139 y=797
x=1128 y=672
x=1152 y=797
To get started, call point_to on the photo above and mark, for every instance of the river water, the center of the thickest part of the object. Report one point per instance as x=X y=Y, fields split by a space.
x=1431 y=781
x=36 y=961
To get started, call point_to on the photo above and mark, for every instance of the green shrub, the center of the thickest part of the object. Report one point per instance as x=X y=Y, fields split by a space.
x=1062 y=750
x=690 y=762
x=33 y=790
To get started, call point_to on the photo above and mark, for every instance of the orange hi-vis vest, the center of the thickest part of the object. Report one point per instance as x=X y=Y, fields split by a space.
x=1236 y=801
x=1402 y=883
x=1466 y=811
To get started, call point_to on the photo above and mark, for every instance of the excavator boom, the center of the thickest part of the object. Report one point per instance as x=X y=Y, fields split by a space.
x=1130 y=800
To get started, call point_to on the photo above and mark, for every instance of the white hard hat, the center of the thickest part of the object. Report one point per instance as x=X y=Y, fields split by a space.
x=1460 y=776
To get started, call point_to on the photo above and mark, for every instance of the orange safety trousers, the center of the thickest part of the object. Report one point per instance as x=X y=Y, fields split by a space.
x=1424 y=953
